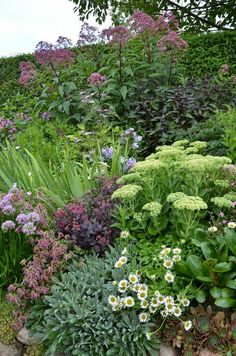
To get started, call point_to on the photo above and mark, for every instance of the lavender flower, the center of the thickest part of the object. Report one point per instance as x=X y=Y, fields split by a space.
x=107 y=153
x=8 y=225
x=45 y=115
x=135 y=145
x=130 y=162
x=33 y=217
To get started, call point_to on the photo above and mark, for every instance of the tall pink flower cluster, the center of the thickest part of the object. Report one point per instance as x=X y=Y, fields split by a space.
x=167 y=22
x=171 y=41
x=27 y=73
x=117 y=35
x=48 y=256
x=141 y=22
x=49 y=54
x=88 y=35
x=96 y=79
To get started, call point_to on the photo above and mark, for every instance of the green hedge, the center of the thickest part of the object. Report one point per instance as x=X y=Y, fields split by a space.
x=207 y=52
x=9 y=75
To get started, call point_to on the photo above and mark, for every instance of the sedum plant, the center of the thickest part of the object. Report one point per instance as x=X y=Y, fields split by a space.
x=172 y=191
x=76 y=319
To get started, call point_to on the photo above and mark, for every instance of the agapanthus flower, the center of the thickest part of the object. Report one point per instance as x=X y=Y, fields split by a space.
x=96 y=79
x=107 y=153
x=8 y=225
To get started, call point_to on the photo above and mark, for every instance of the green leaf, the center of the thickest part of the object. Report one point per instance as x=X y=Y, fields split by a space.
x=200 y=296
x=124 y=91
x=195 y=265
x=223 y=267
x=208 y=250
x=231 y=284
x=215 y=292
x=226 y=302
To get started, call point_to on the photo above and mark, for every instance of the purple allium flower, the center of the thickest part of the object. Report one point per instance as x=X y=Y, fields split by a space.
x=107 y=153
x=8 y=209
x=22 y=219
x=96 y=79
x=29 y=229
x=8 y=225
x=130 y=162
x=33 y=217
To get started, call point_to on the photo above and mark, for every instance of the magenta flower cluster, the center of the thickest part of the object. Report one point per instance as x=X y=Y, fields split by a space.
x=48 y=256
x=7 y=128
x=27 y=73
x=54 y=55
x=171 y=41
x=142 y=22
x=96 y=79
x=116 y=35
x=25 y=218
x=88 y=35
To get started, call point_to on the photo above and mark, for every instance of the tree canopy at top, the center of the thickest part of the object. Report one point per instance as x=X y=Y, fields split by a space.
x=194 y=15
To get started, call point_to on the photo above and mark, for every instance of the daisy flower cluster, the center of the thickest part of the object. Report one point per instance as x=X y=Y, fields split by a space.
x=170 y=257
x=132 y=293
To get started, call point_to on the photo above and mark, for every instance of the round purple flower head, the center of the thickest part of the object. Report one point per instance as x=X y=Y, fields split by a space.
x=29 y=228
x=96 y=79
x=8 y=225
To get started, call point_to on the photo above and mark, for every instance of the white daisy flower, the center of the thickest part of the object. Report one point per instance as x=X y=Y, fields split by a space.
x=177 y=251
x=129 y=302
x=116 y=307
x=169 y=307
x=142 y=295
x=124 y=234
x=143 y=317
x=161 y=299
x=143 y=287
x=169 y=277
x=185 y=302
x=157 y=293
x=212 y=229
x=177 y=311
x=169 y=299
x=152 y=309
x=112 y=300
x=162 y=255
x=231 y=225
x=123 y=283
x=144 y=304
x=123 y=260
x=154 y=302
x=164 y=313
x=176 y=258
x=133 y=278
x=118 y=264
x=168 y=264
x=187 y=325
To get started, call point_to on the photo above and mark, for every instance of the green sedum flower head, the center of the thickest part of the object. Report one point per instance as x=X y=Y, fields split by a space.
x=199 y=144
x=154 y=208
x=175 y=196
x=190 y=203
x=128 y=192
x=148 y=166
x=130 y=178
x=180 y=143
x=222 y=202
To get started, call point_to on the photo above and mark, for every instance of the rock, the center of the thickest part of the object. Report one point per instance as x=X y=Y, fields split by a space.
x=208 y=353
x=166 y=351
x=24 y=338
x=10 y=350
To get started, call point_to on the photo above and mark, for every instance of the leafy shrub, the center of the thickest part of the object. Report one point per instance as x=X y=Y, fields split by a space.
x=7 y=332
x=89 y=326
x=88 y=223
